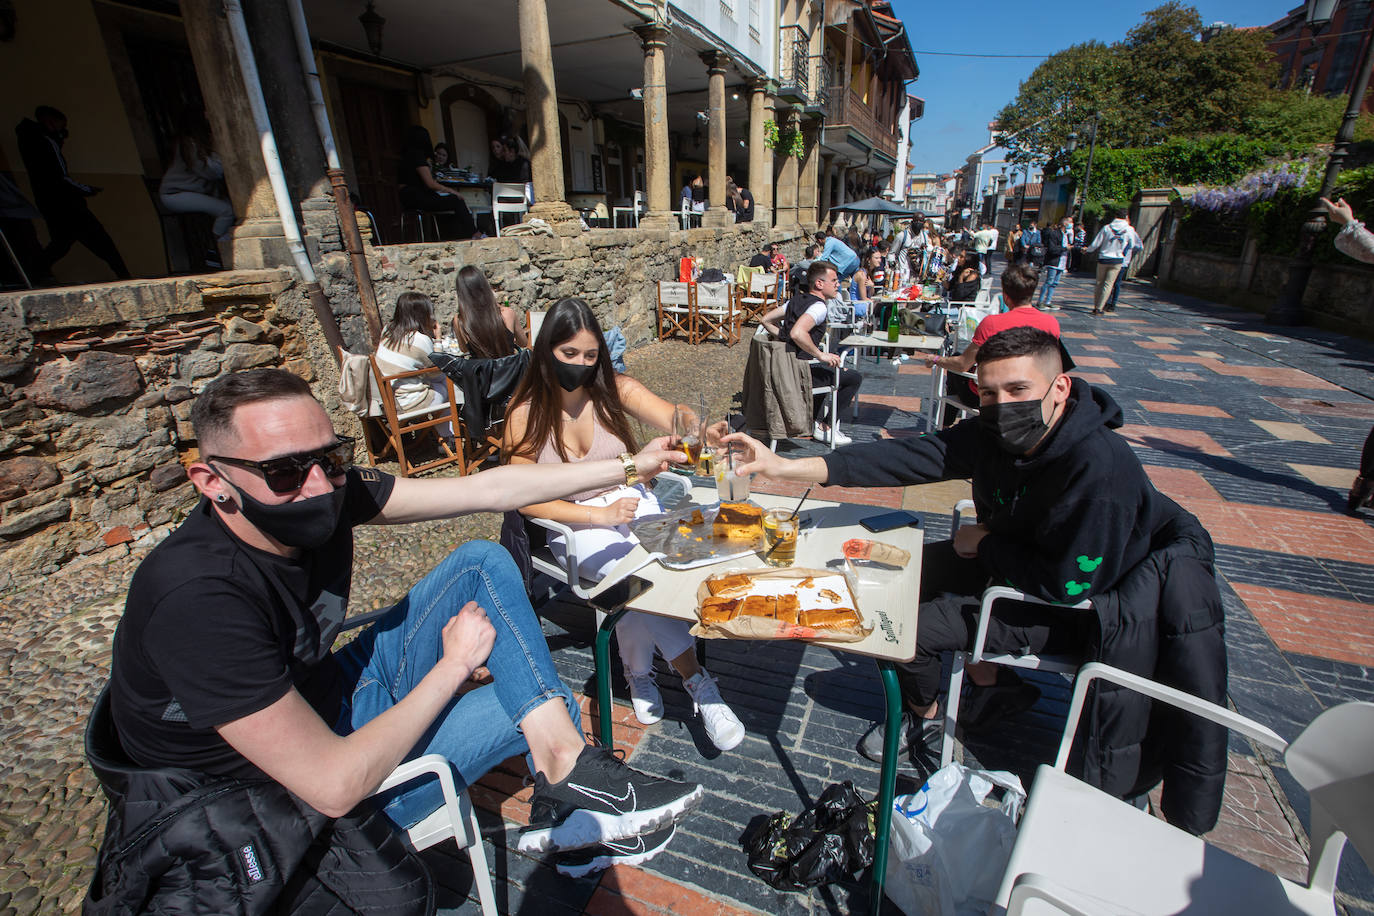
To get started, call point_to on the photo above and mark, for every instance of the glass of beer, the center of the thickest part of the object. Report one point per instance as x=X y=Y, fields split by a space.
x=779 y=537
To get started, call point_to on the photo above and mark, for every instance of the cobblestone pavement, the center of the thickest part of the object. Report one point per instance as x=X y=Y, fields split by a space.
x=1254 y=429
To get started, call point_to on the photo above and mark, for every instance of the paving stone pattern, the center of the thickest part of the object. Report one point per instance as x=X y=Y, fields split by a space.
x=1223 y=411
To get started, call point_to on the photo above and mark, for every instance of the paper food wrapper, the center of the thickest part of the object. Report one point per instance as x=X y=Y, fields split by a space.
x=784 y=581
x=876 y=552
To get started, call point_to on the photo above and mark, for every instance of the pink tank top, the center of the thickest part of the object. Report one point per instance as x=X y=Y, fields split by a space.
x=604 y=445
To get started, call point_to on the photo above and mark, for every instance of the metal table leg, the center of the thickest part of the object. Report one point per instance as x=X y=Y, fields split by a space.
x=887 y=781
x=602 y=655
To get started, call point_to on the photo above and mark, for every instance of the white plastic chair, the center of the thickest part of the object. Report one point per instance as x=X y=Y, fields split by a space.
x=508 y=197
x=688 y=217
x=454 y=818
x=633 y=210
x=1083 y=852
x=1060 y=664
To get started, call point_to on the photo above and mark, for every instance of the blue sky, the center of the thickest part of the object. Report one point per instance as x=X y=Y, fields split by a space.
x=964 y=93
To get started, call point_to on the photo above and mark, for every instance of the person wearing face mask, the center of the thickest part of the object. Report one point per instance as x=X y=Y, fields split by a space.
x=224 y=670
x=572 y=407
x=1065 y=513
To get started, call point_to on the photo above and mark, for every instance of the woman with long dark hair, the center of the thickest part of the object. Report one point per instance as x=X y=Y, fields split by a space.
x=406 y=343
x=572 y=406
x=964 y=283
x=419 y=190
x=484 y=329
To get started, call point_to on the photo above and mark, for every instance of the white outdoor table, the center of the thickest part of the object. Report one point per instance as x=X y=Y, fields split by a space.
x=891 y=609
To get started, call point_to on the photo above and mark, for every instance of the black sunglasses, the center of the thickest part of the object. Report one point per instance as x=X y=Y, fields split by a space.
x=287 y=473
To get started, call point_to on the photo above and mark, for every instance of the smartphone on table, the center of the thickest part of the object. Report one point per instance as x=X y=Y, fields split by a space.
x=889 y=521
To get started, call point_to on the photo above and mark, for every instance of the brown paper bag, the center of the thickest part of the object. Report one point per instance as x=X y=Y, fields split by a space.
x=775 y=580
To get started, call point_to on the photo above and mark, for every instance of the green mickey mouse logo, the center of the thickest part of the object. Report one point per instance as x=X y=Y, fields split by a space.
x=1074 y=589
x=1087 y=565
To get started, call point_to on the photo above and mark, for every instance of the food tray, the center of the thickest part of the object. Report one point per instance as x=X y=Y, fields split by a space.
x=699 y=547
x=781 y=581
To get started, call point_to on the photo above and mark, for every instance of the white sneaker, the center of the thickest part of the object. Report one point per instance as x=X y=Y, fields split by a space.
x=645 y=698
x=723 y=727
x=820 y=433
x=839 y=437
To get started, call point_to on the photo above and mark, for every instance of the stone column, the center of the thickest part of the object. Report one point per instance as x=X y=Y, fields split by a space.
x=827 y=179
x=654 y=39
x=809 y=175
x=787 y=178
x=760 y=156
x=716 y=215
x=541 y=97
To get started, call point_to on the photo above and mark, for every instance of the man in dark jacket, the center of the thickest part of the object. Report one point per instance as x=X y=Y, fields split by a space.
x=1065 y=511
x=60 y=198
x=1058 y=241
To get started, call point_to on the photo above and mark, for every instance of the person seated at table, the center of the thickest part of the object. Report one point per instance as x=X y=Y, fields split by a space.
x=223 y=667
x=764 y=258
x=407 y=341
x=507 y=165
x=1065 y=513
x=867 y=282
x=484 y=330
x=419 y=190
x=801 y=322
x=1018 y=291
x=966 y=280
x=572 y=407
x=442 y=162
x=739 y=201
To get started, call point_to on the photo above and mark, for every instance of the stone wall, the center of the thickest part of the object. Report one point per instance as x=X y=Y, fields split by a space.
x=1339 y=296
x=96 y=386
x=96 y=382
x=615 y=270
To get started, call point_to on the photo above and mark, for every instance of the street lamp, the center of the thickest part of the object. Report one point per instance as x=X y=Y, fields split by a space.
x=1087 y=175
x=1288 y=309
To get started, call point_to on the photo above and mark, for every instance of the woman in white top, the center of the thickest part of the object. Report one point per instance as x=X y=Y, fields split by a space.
x=194 y=182
x=572 y=406
x=406 y=344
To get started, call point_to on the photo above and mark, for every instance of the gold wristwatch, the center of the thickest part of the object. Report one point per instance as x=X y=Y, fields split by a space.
x=631 y=471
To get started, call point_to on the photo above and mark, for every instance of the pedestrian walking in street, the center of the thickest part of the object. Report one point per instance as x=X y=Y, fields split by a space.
x=1357 y=242
x=1113 y=244
x=1058 y=242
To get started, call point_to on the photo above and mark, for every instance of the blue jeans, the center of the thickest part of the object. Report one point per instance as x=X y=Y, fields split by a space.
x=1052 y=275
x=479 y=729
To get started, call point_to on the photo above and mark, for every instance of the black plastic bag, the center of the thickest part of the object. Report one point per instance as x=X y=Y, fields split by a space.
x=828 y=842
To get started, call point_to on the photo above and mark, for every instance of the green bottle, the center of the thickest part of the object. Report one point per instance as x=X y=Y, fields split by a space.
x=894 y=328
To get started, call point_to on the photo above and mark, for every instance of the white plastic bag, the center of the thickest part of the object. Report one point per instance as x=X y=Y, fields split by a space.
x=951 y=843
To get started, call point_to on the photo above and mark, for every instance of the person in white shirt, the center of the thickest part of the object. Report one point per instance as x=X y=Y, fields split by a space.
x=1114 y=244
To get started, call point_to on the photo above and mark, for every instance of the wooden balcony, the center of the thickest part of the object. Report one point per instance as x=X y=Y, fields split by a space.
x=844 y=108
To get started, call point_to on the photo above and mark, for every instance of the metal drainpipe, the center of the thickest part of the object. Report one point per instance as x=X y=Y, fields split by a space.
x=248 y=68
x=343 y=205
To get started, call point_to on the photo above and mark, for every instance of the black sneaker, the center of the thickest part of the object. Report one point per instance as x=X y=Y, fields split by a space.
x=632 y=851
x=986 y=706
x=929 y=733
x=1361 y=493
x=601 y=801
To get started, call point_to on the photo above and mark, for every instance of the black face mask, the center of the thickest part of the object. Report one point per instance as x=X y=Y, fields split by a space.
x=306 y=523
x=572 y=376
x=1017 y=425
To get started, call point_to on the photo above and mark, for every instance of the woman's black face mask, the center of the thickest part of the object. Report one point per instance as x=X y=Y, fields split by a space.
x=572 y=376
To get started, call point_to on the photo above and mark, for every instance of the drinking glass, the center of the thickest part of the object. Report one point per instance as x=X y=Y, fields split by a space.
x=731 y=487
x=687 y=429
x=779 y=537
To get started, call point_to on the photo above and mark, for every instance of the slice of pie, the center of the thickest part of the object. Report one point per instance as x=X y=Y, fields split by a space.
x=719 y=610
x=829 y=618
x=731 y=586
x=738 y=521
x=788 y=608
x=759 y=606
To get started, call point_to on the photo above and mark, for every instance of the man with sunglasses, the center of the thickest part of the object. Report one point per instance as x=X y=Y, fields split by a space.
x=1065 y=513
x=222 y=663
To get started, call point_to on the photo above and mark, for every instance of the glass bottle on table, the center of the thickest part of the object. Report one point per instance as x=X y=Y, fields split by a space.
x=894 y=326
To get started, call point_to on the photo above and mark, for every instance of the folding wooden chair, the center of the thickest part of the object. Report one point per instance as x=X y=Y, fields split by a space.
x=761 y=297
x=399 y=423
x=676 y=313
x=715 y=312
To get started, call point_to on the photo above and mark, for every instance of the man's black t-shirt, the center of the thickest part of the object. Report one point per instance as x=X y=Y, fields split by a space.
x=761 y=260
x=214 y=630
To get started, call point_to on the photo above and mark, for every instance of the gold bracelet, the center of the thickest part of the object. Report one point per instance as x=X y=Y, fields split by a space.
x=631 y=471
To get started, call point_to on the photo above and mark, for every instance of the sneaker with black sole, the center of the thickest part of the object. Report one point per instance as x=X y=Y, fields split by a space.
x=630 y=851
x=602 y=800
x=986 y=706
x=929 y=734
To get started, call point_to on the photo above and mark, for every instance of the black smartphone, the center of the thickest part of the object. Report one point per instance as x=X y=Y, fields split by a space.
x=902 y=518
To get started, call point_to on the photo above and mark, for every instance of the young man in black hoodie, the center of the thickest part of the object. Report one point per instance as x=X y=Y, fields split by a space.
x=1064 y=511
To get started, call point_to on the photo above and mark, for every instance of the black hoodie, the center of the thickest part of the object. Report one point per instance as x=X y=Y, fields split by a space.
x=1064 y=524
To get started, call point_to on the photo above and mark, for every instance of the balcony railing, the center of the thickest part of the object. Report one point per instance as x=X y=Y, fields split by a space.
x=842 y=106
x=794 y=63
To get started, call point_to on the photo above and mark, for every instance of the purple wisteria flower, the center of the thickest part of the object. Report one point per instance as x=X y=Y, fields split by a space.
x=1262 y=185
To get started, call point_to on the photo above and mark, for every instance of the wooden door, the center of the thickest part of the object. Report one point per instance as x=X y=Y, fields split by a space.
x=375 y=119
